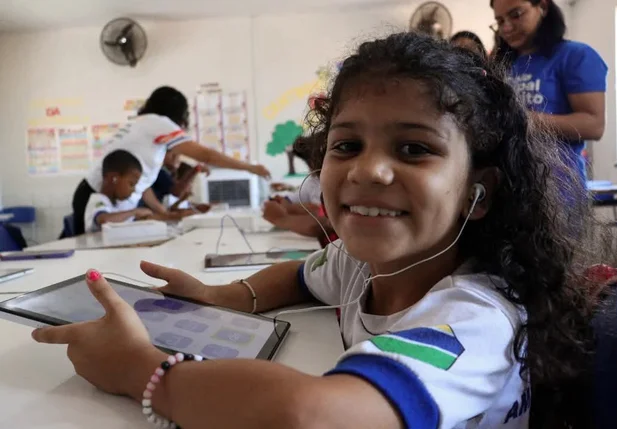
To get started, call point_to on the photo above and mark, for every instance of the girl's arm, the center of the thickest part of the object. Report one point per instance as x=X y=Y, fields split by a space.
x=213 y=157
x=586 y=122
x=276 y=286
x=259 y=394
x=304 y=224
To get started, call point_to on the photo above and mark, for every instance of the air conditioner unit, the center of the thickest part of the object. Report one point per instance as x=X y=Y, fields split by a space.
x=234 y=187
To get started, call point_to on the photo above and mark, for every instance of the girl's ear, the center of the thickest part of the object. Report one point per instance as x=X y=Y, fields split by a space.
x=490 y=179
x=543 y=7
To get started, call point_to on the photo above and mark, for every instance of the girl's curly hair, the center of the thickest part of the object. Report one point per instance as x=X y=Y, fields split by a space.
x=539 y=234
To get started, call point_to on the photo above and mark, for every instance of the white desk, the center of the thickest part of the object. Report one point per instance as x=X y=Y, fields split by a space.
x=38 y=387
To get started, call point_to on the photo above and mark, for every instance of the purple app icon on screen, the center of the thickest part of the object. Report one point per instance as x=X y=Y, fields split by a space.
x=172 y=340
x=191 y=325
x=216 y=351
x=233 y=336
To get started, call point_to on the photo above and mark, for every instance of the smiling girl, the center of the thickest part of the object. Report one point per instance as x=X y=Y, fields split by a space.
x=456 y=271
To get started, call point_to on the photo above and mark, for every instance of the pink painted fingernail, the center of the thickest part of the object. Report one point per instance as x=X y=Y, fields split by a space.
x=94 y=275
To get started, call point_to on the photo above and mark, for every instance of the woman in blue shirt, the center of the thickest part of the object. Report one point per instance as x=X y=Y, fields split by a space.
x=563 y=82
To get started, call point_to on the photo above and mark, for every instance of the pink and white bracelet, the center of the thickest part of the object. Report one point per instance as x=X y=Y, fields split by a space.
x=159 y=372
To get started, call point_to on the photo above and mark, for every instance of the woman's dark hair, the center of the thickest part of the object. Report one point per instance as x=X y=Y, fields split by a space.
x=168 y=101
x=540 y=248
x=473 y=37
x=551 y=31
x=121 y=162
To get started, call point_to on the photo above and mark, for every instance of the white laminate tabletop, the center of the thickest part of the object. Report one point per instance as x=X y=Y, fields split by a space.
x=38 y=387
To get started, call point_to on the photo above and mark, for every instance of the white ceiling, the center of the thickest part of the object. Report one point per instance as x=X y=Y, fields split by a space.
x=18 y=15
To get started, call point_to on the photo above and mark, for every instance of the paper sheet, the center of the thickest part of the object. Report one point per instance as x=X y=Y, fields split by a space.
x=101 y=135
x=209 y=121
x=43 y=154
x=235 y=125
x=74 y=149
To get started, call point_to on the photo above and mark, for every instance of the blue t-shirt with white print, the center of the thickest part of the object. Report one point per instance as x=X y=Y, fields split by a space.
x=545 y=83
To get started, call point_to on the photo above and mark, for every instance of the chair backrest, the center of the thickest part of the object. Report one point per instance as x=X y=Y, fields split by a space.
x=68 y=227
x=604 y=397
x=8 y=242
x=21 y=214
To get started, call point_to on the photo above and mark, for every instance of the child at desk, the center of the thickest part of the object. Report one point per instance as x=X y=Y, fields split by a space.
x=292 y=213
x=460 y=279
x=121 y=172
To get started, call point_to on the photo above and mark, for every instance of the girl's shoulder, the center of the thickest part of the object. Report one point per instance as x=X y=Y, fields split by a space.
x=481 y=290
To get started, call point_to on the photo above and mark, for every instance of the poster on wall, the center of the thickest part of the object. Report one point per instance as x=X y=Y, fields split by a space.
x=74 y=149
x=208 y=116
x=235 y=125
x=101 y=135
x=43 y=156
x=132 y=106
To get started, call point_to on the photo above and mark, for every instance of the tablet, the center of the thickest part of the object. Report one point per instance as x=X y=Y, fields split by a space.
x=175 y=324
x=36 y=254
x=10 y=274
x=248 y=261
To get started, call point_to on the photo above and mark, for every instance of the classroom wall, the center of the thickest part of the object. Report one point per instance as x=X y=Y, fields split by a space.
x=69 y=65
x=585 y=17
x=274 y=57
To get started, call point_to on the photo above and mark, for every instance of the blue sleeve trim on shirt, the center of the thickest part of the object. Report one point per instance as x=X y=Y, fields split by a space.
x=96 y=215
x=302 y=282
x=398 y=384
x=177 y=141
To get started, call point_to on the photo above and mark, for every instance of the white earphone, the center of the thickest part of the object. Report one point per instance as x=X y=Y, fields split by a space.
x=114 y=180
x=479 y=192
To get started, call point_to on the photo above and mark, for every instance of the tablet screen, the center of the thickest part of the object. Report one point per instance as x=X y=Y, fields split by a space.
x=266 y=258
x=173 y=324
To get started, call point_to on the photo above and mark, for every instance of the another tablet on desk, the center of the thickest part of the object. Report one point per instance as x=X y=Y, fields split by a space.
x=36 y=254
x=10 y=274
x=175 y=324
x=249 y=261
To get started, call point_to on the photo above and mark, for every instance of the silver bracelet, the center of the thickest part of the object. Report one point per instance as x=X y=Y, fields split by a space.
x=253 y=294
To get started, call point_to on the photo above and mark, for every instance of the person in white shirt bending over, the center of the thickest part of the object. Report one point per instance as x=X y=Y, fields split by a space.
x=460 y=278
x=159 y=127
x=121 y=173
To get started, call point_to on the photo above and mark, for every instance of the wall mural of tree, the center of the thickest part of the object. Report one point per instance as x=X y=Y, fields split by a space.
x=283 y=137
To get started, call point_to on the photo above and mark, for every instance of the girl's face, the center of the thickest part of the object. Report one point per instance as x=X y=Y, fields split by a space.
x=396 y=174
x=517 y=21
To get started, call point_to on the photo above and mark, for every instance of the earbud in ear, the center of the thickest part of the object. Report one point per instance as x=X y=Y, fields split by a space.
x=479 y=192
x=114 y=180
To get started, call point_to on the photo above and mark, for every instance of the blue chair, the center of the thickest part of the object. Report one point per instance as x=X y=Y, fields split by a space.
x=68 y=226
x=8 y=242
x=22 y=215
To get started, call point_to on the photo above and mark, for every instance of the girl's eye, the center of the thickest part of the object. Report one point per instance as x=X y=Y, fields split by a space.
x=347 y=147
x=413 y=150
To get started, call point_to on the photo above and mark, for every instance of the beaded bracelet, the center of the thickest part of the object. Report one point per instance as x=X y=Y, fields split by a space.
x=159 y=372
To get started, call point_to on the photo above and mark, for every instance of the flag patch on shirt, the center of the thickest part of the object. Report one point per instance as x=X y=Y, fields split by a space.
x=436 y=346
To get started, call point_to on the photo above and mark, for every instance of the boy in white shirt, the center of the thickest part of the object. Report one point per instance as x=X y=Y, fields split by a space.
x=121 y=172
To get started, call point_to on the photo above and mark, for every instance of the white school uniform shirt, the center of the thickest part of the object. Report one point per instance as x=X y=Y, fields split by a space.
x=445 y=362
x=147 y=138
x=97 y=204
x=310 y=192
